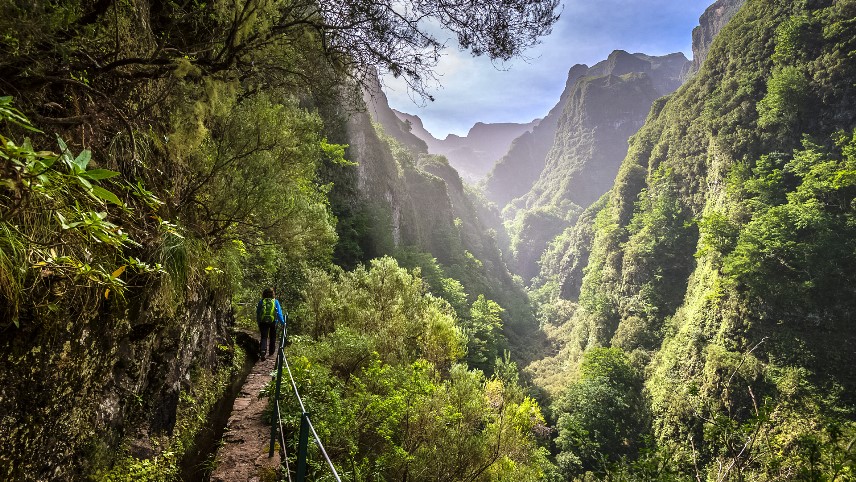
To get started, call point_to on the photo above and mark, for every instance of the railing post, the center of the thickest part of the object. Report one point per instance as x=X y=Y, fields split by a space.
x=273 y=426
x=302 y=446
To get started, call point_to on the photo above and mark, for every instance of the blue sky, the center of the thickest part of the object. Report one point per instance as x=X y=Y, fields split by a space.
x=474 y=89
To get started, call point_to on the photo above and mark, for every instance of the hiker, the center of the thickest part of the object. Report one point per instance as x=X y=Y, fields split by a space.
x=268 y=313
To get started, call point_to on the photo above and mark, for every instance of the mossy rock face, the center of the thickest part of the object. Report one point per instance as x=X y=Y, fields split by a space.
x=74 y=384
x=704 y=260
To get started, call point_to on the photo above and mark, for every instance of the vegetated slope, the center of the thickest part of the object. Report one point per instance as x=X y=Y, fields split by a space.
x=399 y=364
x=605 y=106
x=722 y=264
x=562 y=262
x=474 y=154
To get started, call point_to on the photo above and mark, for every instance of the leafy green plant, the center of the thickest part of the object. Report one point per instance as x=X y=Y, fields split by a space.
x=53 y=207
x=603 y=415
x=387 y=393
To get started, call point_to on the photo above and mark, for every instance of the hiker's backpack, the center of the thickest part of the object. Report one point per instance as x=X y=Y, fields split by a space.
x=268 y=310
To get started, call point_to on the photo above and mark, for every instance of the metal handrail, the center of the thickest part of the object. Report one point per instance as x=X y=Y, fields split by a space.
x=323 y=452
x=294 y=385
x=277 y=411
x=305 y=423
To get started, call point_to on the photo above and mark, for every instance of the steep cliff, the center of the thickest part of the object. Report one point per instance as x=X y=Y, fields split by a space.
x=710 y=23
x=514 y=174
x=722 y=260
x=78 y=383
x=605 y=106
x=570 y=280
x=400 y=129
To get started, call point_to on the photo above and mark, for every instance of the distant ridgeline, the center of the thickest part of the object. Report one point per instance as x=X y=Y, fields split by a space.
x=475 y=154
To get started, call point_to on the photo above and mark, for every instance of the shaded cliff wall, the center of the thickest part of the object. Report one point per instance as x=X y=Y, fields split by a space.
x=76 y=384
x=420 y=201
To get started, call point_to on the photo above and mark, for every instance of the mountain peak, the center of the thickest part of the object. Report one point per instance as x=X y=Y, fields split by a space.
x=710 y=23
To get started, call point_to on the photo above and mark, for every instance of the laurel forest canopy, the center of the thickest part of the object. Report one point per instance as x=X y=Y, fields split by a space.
x=162 y=161
x=221 y=109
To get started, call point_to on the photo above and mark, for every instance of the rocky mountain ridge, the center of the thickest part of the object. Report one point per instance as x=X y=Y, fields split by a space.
x=605 y=105
x=474 y=154
x=569 y=252
x=710 y=23
x=516 y=173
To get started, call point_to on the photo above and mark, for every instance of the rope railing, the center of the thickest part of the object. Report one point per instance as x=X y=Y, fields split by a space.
x=305 y=423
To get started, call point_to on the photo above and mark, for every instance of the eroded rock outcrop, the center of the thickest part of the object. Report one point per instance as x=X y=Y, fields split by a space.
x=710 y=23
x=76 y=384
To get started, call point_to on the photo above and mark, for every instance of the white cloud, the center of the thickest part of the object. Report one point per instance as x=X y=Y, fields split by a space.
x=474 y=89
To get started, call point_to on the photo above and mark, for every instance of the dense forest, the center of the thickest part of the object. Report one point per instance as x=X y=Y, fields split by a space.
x=704 y=303
x=675 y=307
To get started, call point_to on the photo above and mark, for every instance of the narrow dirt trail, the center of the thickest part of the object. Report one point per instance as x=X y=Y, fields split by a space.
x=243 y=457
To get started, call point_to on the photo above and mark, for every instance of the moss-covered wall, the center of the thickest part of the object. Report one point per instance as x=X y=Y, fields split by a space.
x=77 y=386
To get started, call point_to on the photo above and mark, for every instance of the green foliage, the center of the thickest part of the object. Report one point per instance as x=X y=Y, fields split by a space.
x=432 y=273
x=387 y=395
x=55 y=215
x=530 y=233
x=482 y=322
x=788 y=89
x=718 y=234
x=794 y=250
x=483 y=328
x=603 y=416
x=786 y=99
x=791 y=37
x=253 y=175
x=657 y=264
x=389 y=303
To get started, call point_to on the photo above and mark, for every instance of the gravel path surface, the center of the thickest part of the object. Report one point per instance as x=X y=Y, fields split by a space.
x=243 y=457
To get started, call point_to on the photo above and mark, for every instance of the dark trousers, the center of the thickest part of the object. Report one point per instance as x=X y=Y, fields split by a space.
x=268 y=338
